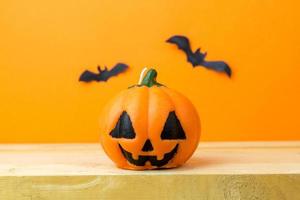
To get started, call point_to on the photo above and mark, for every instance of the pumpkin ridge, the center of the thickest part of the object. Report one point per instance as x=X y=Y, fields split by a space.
x=169 y=97
x=148 y=105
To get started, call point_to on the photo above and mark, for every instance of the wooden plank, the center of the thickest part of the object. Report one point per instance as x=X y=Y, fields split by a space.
x=250 y=170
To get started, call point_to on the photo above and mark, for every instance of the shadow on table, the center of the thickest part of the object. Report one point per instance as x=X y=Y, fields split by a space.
x=202 y=162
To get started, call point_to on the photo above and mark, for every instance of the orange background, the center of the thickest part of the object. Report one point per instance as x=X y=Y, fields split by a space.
x=45 y=45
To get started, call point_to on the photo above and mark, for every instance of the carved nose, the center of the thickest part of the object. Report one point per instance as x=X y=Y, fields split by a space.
x=147 y=146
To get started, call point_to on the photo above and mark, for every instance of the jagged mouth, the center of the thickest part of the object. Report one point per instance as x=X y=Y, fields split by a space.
x=152 y=159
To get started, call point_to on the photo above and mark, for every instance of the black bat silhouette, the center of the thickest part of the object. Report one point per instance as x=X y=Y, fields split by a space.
x=197 y=58
x=103 y=75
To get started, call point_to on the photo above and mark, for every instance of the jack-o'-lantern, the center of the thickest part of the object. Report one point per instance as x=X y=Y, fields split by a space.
x=149 y=126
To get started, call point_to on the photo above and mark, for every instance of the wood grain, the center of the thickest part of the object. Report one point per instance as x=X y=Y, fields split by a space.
x=248 y=170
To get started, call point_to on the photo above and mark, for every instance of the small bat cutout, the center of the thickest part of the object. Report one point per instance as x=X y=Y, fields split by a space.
x=103 y=75
x=197 y=58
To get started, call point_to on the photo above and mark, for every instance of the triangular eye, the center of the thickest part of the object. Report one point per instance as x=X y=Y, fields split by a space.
x=123 y=128
x=172 y=129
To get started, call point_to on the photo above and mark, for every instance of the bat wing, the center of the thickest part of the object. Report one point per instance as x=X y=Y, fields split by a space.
x=103 y=75
x=219 y=66
x=117 y=69
x=88 y=76
x=182 y=43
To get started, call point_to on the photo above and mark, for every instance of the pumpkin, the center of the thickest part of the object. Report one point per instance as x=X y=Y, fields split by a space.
x=149 y=126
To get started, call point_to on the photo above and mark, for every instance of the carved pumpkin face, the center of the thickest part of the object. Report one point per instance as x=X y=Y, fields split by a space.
x=149 y=126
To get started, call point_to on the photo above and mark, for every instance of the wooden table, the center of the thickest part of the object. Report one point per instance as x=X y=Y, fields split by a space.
x=232 y=170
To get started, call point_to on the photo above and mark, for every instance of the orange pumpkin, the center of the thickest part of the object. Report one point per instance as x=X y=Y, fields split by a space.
x=149 y=126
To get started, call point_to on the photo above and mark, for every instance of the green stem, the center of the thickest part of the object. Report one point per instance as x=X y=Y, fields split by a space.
x=149 y=79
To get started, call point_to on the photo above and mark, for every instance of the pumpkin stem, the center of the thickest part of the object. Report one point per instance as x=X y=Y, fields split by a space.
x=142 y=75
x=150 y=79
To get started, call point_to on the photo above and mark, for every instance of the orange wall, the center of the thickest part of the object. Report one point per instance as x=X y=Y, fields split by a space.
x=45 y=45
